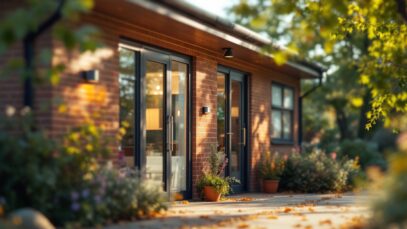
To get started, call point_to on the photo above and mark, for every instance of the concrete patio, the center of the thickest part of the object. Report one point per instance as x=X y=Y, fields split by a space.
x=263 y=211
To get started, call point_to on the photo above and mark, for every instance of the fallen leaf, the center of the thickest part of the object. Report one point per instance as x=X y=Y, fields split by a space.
x=325 y=222
x=178 y=196
x=185 y=202
x=243 y=225
x=287 y=210
x=246 y=199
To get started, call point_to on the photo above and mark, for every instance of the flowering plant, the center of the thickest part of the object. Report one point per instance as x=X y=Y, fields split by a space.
x=213 y=174
x=271 y=167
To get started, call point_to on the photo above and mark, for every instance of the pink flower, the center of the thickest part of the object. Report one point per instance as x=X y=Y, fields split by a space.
x=333 y=155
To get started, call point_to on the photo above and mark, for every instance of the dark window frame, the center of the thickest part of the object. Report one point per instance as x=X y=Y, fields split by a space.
x=139 y=48
x=281 y=140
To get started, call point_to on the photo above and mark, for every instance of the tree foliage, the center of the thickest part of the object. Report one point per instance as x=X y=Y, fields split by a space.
x=363 y=43
x=14 y=28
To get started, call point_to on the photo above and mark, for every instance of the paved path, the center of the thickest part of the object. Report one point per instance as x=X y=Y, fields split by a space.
x=280 y=211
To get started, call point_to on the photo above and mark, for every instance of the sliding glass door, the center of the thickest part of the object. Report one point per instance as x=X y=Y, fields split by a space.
x=158 y=113
x=232 y=123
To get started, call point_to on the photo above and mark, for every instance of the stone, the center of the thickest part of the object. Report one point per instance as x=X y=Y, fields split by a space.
x=28 y=218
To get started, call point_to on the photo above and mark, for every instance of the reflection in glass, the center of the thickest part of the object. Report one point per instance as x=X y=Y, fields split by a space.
x=154 y=100
x=235 y=127
x=221 y=101
x=179 y=113
x=126 y=82
x=276 y=124
x=276 y=96
x=287 y=125
x=288 y=98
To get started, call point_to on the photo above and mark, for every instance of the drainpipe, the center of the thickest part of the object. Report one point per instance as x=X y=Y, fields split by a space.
x=300 y=127
x=29 y=54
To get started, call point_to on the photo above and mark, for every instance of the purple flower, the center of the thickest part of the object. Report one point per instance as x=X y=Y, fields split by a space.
x=74 y=196
x=85 y=193
x=98 y=199
x=75 y=206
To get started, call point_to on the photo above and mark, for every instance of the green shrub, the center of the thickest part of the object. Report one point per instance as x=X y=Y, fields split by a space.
x=67 y=180
x=366 y=152
x=385 y=139
x=316 y=172
x=112 y=195
x=271 y=167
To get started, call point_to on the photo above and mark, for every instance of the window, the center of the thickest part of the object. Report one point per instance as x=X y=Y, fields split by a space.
x=282 y=107
x=127 y=74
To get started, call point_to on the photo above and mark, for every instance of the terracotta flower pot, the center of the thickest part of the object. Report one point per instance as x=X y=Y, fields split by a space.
x=210 y=194
x=270 y=186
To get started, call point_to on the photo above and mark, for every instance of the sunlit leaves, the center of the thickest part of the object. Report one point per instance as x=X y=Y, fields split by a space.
x=280 y=57
x=259 y=22
x=357 y=102
x=365 y=40
x=384 y=66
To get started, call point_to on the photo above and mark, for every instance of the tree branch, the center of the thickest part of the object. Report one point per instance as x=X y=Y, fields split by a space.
x=401 y=8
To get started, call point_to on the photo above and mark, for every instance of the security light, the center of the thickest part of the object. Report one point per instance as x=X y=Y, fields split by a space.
x=227 y=52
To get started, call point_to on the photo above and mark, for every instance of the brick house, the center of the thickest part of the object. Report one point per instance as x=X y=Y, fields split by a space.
x=184 y=81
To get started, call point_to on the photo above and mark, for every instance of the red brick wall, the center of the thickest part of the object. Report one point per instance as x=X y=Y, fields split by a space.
x=204 y=126
x=83 y=102
x=260 y=112
x=99 y=102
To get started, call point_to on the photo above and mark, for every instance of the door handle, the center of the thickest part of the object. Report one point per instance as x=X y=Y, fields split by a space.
x=170 y=133
x=244 y=135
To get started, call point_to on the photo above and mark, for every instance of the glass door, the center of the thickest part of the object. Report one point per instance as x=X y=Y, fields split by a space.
x=156 y=117
x=232 y=124
x=156 y=138
x=179 y=120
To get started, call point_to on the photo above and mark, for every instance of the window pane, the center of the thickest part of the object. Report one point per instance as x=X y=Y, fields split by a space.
x=179 y=73
x=154 y=101
x=220 y=111
x=236 y=129
x=288 y=98
x=276 y=95
x=126 y=82
x=276 y=124
x=287 y=135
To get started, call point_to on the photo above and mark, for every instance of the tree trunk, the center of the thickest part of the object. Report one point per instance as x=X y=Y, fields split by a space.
x=342 y=122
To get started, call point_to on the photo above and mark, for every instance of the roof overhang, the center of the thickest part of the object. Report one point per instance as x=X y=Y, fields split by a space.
x=218 y=34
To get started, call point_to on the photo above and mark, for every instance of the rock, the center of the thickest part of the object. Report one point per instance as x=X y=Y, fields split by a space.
x=28 y=218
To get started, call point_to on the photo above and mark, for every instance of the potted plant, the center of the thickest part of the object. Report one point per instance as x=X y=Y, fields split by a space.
x=212 y=184
x=270 y=169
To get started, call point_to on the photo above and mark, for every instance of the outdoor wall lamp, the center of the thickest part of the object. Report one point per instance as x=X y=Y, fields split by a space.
x=206 y=110
x=227 y=52
x=91 y=76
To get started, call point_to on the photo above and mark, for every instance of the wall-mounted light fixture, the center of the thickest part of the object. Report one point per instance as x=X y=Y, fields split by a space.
x=227 y=52
x=91 y=76
x=206 y=110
